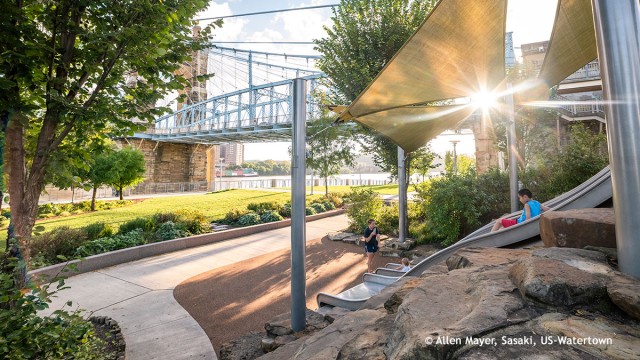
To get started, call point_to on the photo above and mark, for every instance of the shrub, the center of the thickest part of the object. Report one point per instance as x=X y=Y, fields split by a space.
x=77 y=212
x=120 y=241
x=59 y=241
x=3 y=220
x=270 y=216
x=192 y=221
x=416 y=232
x=285 y=211
x=26 y=334
x=46 y=216
x=64 y=213
x=309 y=211
x=234 y=215
x=328 y=205
x=452 y=206
x=98 y=230
x=337 y=199
x=170 y=230
x=387 y=219
x=583 y=157
x=249 y=219
x=264 y=206
x=161 y=218
x=364 y=205
x=142 y=223
x=493 y=186
x=318 y=208
x=47 y=209
x=85 y=206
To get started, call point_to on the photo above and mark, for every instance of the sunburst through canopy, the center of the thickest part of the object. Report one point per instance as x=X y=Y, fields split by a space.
x=458 y=52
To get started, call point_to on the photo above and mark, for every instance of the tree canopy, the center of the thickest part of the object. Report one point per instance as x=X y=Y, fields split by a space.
x=124 y=167
x=73 y=70
x=328 y=148
x=364 y=36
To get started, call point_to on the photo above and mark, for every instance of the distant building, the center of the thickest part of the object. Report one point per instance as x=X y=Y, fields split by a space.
x=232 y=153
x=533 y=56
x=509 y=54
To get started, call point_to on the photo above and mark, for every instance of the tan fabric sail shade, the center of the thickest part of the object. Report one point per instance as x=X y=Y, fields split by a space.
x=412 y=127
x=457 y=51
x=572 y=44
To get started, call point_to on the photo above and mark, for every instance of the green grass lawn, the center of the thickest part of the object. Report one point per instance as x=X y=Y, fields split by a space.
x=391 y=189
x=213 y=205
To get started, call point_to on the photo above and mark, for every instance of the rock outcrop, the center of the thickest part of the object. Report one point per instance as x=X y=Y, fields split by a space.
x=487 y=304
x=578 y=228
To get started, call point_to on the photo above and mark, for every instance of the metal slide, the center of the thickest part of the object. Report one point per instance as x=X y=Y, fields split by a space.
x=591 y=193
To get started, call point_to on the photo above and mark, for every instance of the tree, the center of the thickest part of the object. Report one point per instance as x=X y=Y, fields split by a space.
x=329 y=149
x=464 y=163
x=99 y=174
x=72 y=69
x=126 y=169
x=364 y=36
x=422 y=161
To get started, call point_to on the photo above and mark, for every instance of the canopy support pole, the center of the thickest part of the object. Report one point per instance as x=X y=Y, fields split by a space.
x=512 y=146
x=402 y=196
x=618 y=40
x=298 y=207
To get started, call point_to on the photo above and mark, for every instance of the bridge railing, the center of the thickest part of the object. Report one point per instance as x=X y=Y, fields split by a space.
x=591 y=71
x=261 y=105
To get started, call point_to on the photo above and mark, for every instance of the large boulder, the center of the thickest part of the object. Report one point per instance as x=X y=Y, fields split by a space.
x=578 y=228
x=624 y=291
x=491 y=304
x=563 y=277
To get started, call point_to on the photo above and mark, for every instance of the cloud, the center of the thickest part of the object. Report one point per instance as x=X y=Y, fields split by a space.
x=232 y=28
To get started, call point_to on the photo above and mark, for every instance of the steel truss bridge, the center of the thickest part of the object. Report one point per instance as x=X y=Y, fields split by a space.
x=250 y=99
x=257 y=113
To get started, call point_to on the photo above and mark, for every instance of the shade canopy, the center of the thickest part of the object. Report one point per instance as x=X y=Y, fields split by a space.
x=572 y=44
x=457 y=52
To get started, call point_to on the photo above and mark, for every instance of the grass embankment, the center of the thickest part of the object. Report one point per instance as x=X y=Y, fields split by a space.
x=213 y=205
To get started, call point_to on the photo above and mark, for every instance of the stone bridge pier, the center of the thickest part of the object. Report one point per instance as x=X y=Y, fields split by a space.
x=174 y=162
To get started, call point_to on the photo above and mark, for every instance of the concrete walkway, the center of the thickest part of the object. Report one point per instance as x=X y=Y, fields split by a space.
x=139 y=295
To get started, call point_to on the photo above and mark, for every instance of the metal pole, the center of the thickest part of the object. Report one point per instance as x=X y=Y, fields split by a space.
x=298 y=207
x=511 y=143
x=455 y=156
x=617 y=25
x=402 y=196
x=221 y=164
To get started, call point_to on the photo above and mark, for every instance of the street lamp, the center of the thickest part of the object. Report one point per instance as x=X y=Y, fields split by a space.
x=455 y=156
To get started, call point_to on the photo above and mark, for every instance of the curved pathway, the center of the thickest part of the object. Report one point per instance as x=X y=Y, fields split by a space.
x=139 y=295
x=264 y=283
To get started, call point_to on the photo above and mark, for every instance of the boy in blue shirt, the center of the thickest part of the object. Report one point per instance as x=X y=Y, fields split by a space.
x=532 y=208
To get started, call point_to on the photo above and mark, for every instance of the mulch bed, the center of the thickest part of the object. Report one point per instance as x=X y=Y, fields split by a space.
x=231 y=301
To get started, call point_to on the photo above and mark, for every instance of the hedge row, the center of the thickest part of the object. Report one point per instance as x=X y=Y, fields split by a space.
x=64 y=243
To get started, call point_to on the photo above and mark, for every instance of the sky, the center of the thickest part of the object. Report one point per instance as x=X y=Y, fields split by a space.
x=530 y=21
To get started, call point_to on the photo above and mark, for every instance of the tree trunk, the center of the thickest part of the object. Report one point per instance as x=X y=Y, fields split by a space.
x=93 y=198
x=121 y=195
x=326 y=186
x=24 y=191
x=73 y=191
